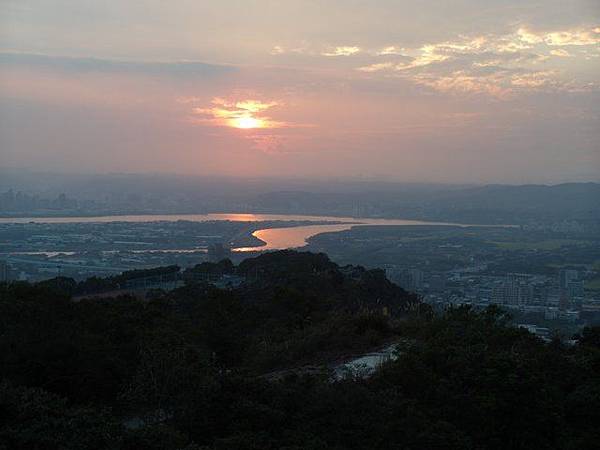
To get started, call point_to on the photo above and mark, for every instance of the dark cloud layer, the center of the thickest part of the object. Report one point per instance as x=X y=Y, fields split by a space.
x=98 y=65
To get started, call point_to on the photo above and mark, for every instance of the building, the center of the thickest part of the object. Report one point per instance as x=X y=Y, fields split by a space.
x=575 y=291
x=514 y=291
x=5 y=272
x=566 y=276
x=571 y=287
x=505 y=293
x=218 y=252
x=412 y=279
x=437 y=282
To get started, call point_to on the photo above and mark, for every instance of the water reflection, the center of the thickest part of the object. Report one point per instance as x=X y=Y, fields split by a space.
x=274 y=238
x=234 y=217
x=291 y=237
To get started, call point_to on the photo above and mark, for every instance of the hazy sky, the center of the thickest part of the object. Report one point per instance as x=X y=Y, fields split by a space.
x=445 y=91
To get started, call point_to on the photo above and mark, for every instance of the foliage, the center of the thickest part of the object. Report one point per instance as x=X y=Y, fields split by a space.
x=189 y=369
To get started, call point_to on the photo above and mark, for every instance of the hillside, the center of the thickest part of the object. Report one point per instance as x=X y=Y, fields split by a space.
x=186 y=369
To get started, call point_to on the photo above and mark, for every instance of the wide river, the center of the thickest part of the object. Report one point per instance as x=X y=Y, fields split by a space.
x=274 y=238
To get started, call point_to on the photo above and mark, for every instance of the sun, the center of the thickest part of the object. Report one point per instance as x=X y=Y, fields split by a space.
x=247 y=122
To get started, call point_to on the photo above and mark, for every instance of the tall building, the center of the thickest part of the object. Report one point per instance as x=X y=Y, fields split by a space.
x=575 y=289
x=575 y=293
x=4 y=272
x=437 y=282
x=514 y=291
x=540 y=294
x=565 y=276
x=218 y=252
x=571 y=287
x=505 y=293
x=411 y=279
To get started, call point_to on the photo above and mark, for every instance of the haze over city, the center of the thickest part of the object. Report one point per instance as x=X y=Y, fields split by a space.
x=462 y=92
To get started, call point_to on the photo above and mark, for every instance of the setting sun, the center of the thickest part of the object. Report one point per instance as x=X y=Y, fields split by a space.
x=241 y=114
x=247 y=122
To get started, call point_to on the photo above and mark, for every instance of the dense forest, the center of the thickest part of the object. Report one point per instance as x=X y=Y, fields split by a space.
x=193 y=368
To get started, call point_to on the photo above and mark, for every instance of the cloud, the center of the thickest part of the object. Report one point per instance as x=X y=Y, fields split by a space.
x=536 y=80
x=236 y=114
x=429 y=54
x=312 y=49
x=255 y=106
x=560 y=52
x=465 y=82
x=576 y=36
x=277 y=50
x=263 y=133
x=390 y=50
x=96 y=65
x=573 y=37
x=529 y=37
x=501 y=84
x=495 y=64
x=342 y=51
x=377 y=67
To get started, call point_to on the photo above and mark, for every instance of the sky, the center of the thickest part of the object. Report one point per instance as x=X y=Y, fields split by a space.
x=464 y=91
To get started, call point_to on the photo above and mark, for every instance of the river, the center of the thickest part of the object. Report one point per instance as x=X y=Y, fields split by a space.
x=274 y=238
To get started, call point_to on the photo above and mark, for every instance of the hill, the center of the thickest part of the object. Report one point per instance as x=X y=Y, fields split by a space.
x=186 y=369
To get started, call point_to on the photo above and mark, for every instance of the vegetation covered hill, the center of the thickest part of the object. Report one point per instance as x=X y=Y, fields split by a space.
x=185 y=369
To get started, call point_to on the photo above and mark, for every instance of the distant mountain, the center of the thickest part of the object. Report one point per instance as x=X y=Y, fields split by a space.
x=156 y=193
x=572 y=201
x=472 y=204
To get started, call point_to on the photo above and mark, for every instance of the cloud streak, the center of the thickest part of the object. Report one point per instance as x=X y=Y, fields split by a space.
x=342 y=51
x=499 y=65
x=247 y=113
x=113 y=66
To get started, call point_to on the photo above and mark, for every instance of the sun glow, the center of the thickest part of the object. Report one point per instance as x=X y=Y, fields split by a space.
x=247 y=122
x=243 y=114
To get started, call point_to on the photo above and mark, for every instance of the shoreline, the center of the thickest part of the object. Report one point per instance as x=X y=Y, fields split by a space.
x=219 y=216
x=264 y=231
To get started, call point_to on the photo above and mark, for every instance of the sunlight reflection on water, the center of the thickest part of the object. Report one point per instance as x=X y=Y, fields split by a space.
x=274 y=238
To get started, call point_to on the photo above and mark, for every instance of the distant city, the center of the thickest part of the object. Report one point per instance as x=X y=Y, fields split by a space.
x=544 y=268
x=566 y=206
